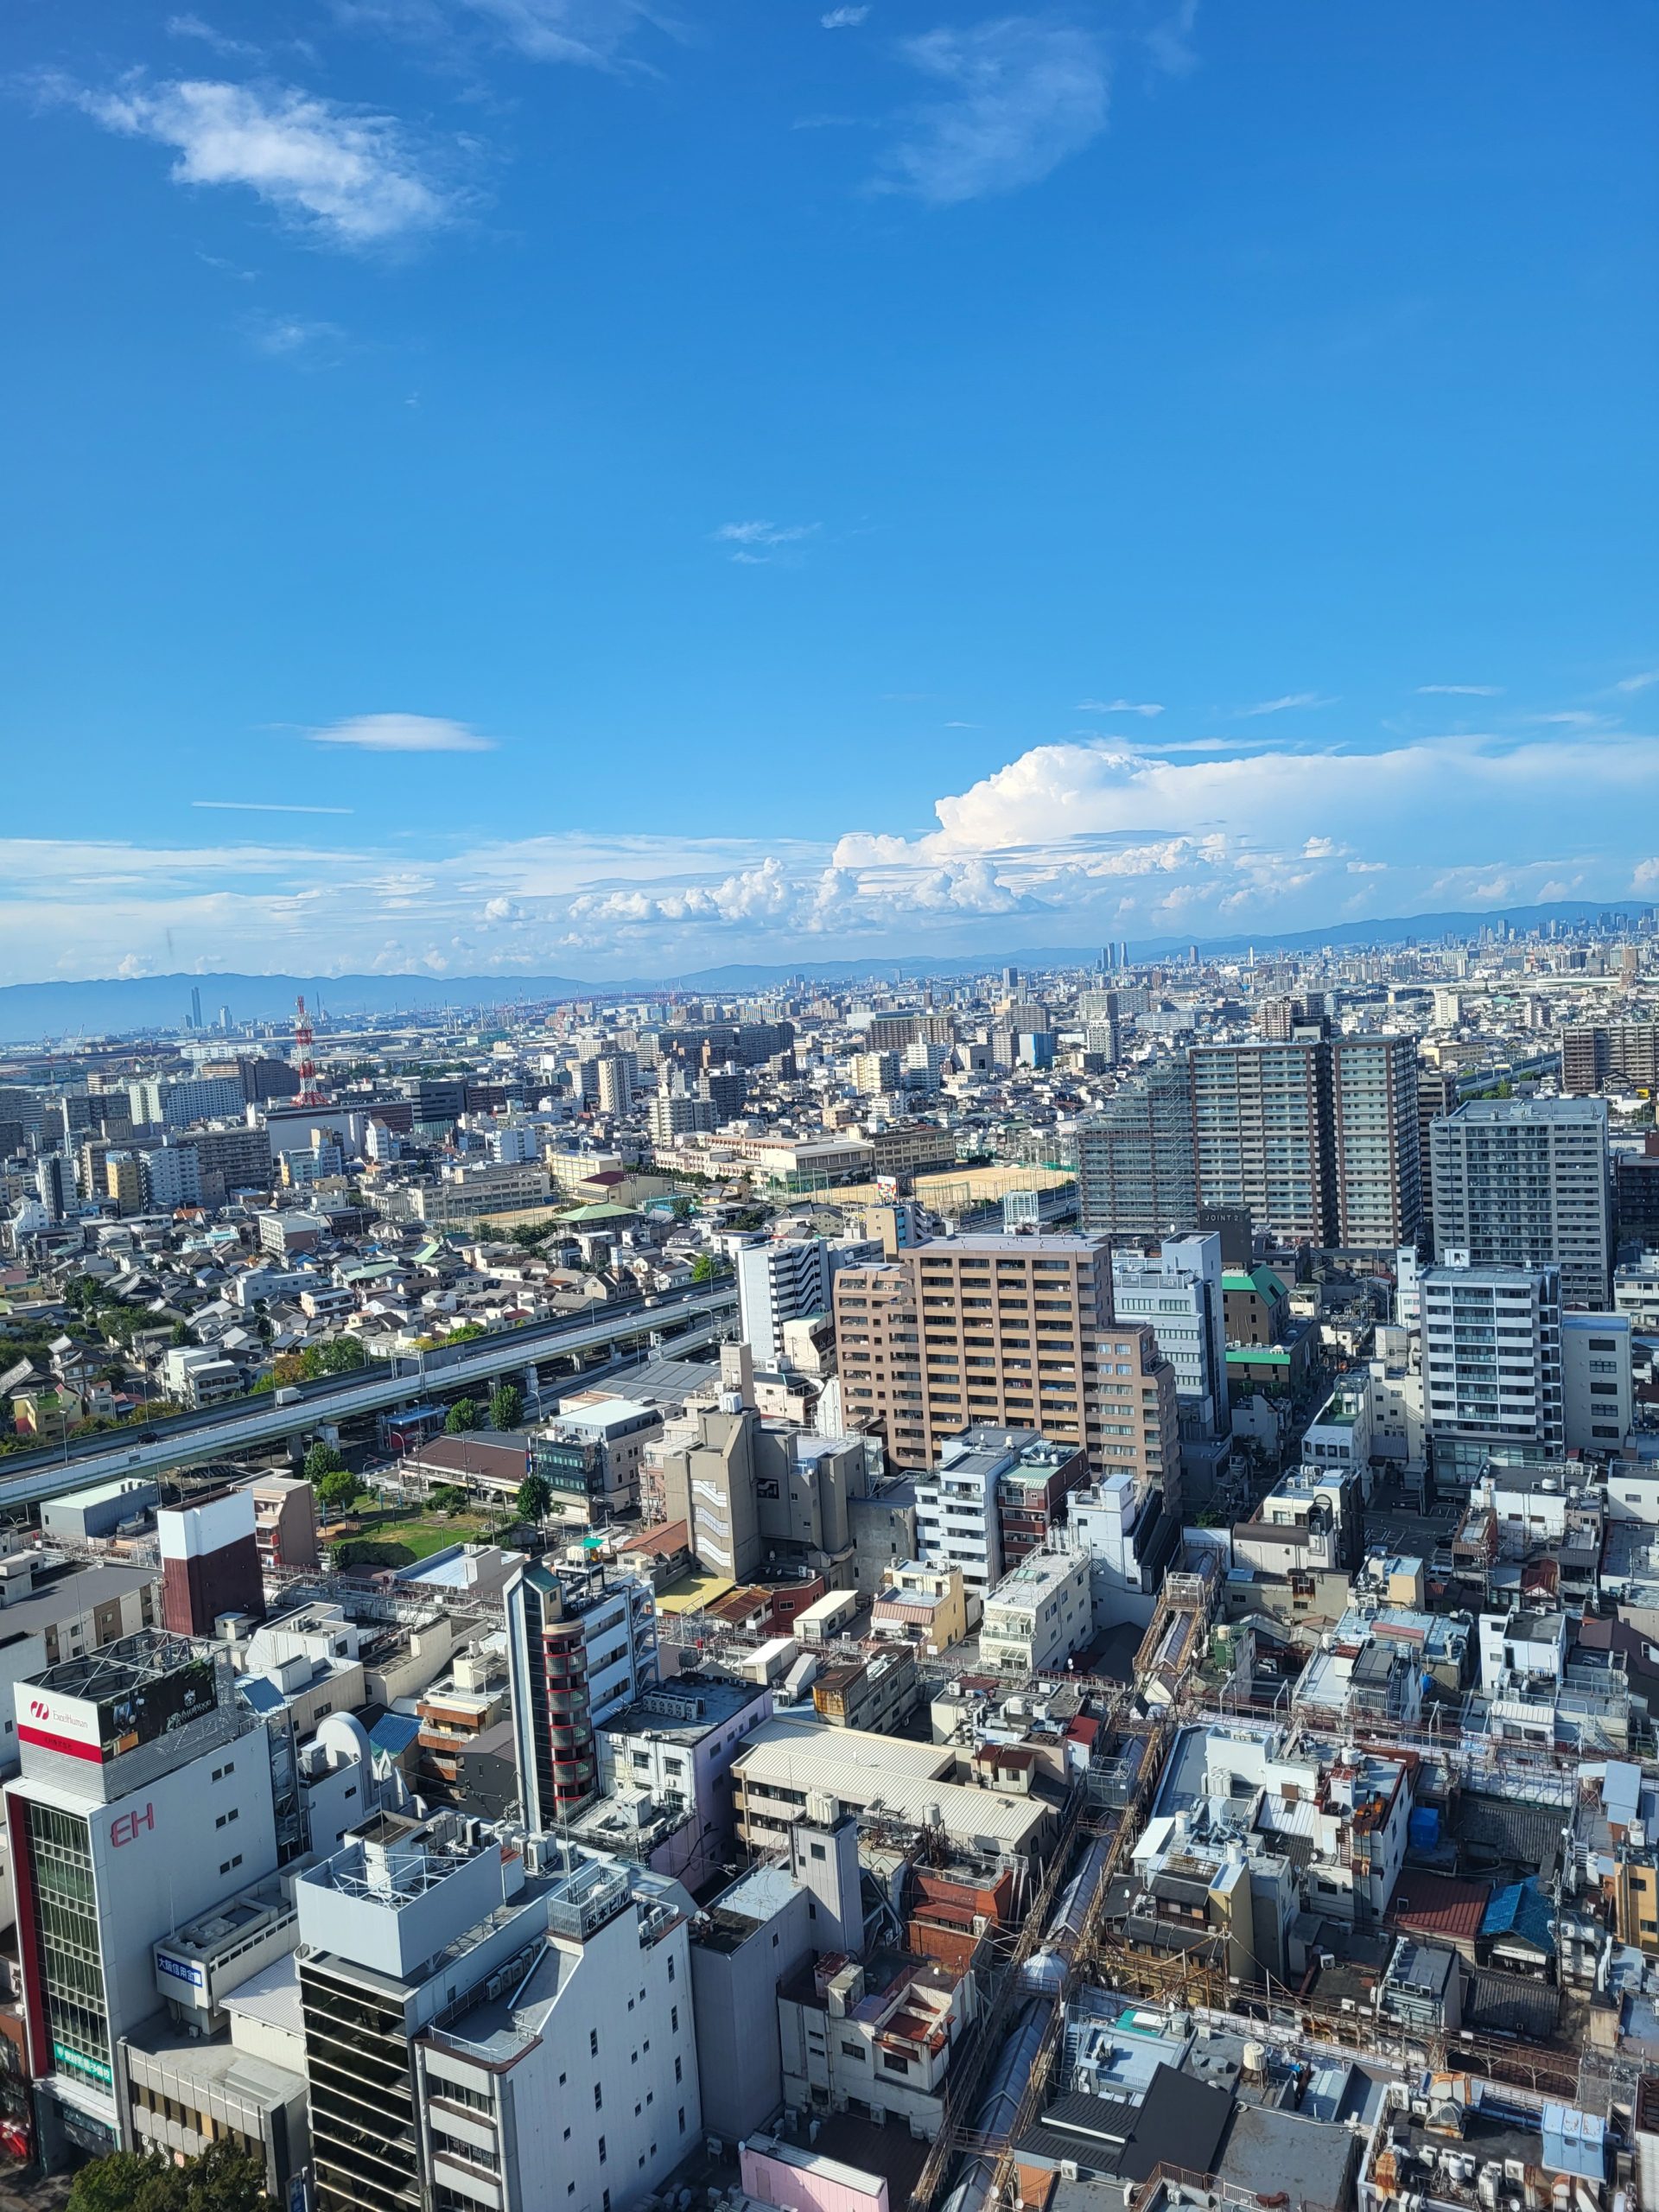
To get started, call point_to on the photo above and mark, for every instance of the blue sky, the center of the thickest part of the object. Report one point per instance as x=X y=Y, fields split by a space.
x=668 y=486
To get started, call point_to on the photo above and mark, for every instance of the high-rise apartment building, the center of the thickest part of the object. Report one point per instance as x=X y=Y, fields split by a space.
x=674 y=1113
x=1492 y=1365
x=1264 y=1135
x=581 y=1643
x=1316 y=1136
x=787 y=1279
x=1376 y=1142
x=1524 y=1183
x=1135 y=1164
x=1594 y=1056
x=1014 y=1333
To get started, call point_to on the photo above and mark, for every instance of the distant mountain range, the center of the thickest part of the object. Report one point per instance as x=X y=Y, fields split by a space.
x=30 y=1013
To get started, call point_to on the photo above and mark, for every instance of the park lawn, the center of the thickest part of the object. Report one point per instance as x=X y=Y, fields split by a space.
x=404 y=1535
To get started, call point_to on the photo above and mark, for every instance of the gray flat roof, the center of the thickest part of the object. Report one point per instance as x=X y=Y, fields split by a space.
x=73 y=1593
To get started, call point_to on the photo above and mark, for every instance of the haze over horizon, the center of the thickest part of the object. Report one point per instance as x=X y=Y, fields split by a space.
x=516 y=485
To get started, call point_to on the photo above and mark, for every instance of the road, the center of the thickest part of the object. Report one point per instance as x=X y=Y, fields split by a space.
x=692 y=1317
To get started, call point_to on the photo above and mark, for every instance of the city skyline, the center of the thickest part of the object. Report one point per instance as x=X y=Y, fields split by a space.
x=541 y=487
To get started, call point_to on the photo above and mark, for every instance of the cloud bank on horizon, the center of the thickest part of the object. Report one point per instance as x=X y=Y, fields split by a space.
x=1075 y=840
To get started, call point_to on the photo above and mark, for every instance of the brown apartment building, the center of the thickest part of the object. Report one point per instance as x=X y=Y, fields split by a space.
x=1010 y=1331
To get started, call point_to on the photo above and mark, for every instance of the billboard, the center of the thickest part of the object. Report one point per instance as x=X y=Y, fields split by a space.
x=102 y=1728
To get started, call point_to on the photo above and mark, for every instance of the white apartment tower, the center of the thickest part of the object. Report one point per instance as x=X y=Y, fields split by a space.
x=1523 y=1183
x=1492 y=1365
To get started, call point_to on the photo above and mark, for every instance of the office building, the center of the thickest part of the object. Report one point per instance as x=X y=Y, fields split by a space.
x=1492 y=1365
x=581 y=1643
x=754 y=1492
x=1013 y=1332
x=1523 y=1183
x=493 y=2026
x=145 y=1796
x=1595 y=1057
x=1136 y=1175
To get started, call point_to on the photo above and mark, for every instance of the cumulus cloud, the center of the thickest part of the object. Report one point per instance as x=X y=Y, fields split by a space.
x=844 y=19
x=403 y=733
x=1017 y=95
x=1065 y=843
x=345 y=176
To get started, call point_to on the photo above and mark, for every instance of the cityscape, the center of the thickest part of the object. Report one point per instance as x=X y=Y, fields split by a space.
x=829 y=1107
x=1027 y=1589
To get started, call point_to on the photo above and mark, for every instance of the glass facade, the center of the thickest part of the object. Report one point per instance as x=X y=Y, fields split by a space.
x=65 y=1939
x=365 y=2145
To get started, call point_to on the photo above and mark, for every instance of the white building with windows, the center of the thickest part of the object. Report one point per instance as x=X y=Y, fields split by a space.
x=1177 y=1291
x=1597 y=1392
x=1040 y=1615
x=1491 y=1361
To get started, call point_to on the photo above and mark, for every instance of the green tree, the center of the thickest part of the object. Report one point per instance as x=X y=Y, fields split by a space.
x=461 y=1416
x=181 y=1336
x=449 y=1497
x=535 y=1497
x=337 y=1489
x=225 y=2178
x=506 y=1406
x=703 y=1268
x=323 y=1459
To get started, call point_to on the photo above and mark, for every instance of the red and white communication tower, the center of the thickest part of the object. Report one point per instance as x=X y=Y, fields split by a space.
x=310 y=1092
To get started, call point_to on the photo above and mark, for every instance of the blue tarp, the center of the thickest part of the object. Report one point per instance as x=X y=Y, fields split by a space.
x=1521 y=1909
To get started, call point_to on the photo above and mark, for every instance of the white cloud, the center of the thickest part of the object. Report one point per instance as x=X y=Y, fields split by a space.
x=590 y=32
x=262 y=807
x=1639 y=682
x=193 y=26
x=1018 y=96
x=293 y=338
x=1147 y=707
x=1290 y=699
x=403 y=733
x=1169 y=42
x=344 y=175
x=1063 y=843
x=844 y=19
x=754 y=544
x=1459 y=690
